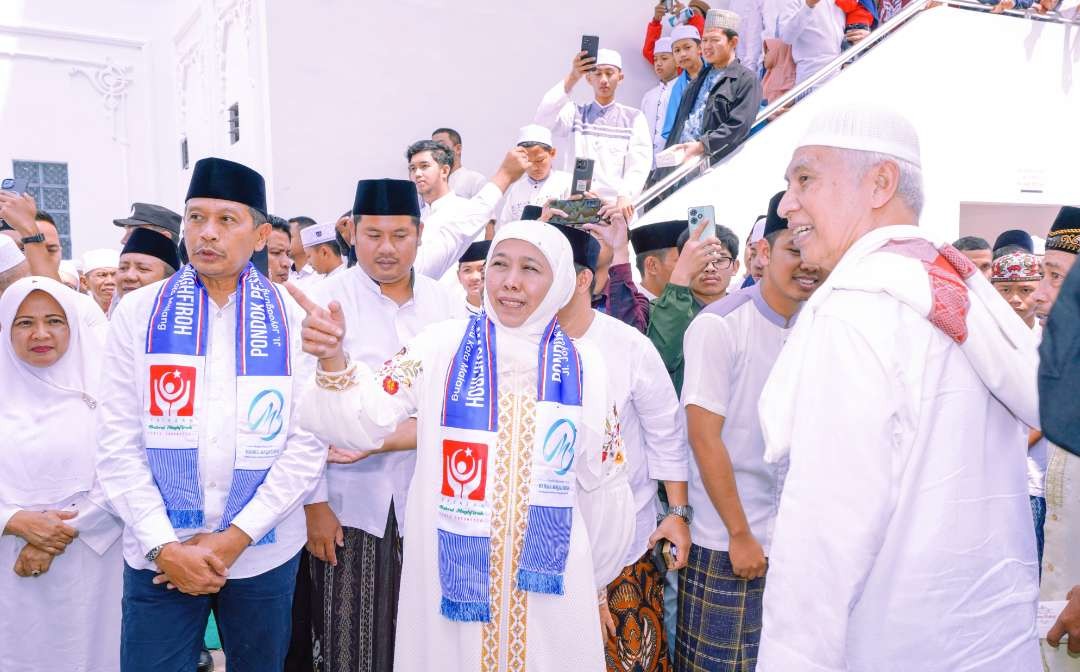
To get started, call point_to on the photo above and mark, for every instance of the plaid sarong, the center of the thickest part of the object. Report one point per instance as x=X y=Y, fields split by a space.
x=719 y=624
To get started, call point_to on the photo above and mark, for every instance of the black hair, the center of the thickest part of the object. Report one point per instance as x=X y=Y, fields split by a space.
x=1009 y=249
x=332 y=244
x=43 y=216
x=971 y=244
x=279 y=224
x=771 y=238
x=455 y=137
x=725 y=235
x=302 y=221
x=442 y=154
x=639 y=261
x=578 y=268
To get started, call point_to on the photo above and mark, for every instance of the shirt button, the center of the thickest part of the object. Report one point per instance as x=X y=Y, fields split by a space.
x=213 y=485
x=1049 y=566
x=1053 y=516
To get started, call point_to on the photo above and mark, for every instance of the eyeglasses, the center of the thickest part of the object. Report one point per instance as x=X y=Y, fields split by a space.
x=721 y=263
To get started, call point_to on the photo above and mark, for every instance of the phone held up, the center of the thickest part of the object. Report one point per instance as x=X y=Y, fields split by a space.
x=579 y=211
x=590 y=44
x=16 y=185
x=695 y=215
x=583 y=170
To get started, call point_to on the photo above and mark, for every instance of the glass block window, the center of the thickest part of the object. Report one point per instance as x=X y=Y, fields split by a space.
x=48 y=184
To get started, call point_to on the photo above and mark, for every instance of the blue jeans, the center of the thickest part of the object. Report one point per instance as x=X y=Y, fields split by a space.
x=163 y=629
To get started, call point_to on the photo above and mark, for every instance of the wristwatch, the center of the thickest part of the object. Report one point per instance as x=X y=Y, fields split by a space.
x=36 y=238
x=154 y=553
x=684 y=511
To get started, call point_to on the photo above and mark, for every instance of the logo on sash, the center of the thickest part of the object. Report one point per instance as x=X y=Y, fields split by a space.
x=464 y=470
x=172 y=390
x=265 y=414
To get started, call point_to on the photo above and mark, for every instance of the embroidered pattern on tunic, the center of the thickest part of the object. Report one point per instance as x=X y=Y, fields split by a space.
x=399 y=370
x=519 y=598
x=502 y=520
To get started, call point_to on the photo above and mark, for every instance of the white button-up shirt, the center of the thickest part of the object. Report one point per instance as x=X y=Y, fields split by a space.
x=527 y=191
x=466 y=182
x=728 y=360
x=451 y=223
x=815 y=34
x=652 y=429
x=376 y=328
x=654 y=105
x=121 y=460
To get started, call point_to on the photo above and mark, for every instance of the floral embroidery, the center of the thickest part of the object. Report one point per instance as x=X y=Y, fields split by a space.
x=613 y=440
x=399 y=370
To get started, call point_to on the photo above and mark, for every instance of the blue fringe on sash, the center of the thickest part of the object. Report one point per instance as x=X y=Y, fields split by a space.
x=463 y=574
x=543 y=554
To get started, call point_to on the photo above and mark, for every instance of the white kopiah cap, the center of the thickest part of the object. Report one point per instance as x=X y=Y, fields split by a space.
x=684 y=32
x=10 y=254
x=758 y=232
x=662 y=46
x=722 y=19
x=865 y=127
x=534 y=133
x=101 y=258
x=608 y=57
x=68 y=272
x=318 y=234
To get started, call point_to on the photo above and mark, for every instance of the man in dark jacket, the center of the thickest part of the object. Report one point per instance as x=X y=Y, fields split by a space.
x=721 y=104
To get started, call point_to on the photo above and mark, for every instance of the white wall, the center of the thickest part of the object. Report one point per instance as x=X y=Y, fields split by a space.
x=994 y=101
x=76 y=86
x=353 y=84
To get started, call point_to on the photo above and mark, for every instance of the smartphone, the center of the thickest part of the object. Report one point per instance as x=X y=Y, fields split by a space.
x=591 y=45
x=664 y=556
x=17 y=185
x=583 y=169
x=578 y=211
x=669 y=6
x=695 y=215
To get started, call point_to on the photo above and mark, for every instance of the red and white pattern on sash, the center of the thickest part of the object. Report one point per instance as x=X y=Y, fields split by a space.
x=465 y=466
x=947 y=269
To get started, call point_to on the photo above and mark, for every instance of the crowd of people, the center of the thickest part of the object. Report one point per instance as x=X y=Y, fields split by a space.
x=444 y=431
x=360 y=452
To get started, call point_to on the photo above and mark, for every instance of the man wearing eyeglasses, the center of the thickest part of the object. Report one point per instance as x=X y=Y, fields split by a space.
x=701 y=276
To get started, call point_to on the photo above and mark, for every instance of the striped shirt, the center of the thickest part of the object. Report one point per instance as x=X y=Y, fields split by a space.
x=615 y=136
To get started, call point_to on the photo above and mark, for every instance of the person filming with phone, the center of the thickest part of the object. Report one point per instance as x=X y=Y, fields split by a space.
x=613 y=135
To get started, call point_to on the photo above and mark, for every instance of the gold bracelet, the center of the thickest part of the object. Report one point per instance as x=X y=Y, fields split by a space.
x=337 y=381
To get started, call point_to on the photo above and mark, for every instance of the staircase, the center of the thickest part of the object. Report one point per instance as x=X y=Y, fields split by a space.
x=993 y=98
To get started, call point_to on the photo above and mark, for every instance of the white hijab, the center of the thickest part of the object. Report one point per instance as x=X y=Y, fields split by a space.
x=605 y=499
x=46 y=417
x=556 y=249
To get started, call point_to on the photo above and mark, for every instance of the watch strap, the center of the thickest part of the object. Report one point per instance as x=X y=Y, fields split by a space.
x=36 y=238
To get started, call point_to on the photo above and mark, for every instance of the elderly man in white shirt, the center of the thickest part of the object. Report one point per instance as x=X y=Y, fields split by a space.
x=815 y=31
x=198 y=450
x=904 y=538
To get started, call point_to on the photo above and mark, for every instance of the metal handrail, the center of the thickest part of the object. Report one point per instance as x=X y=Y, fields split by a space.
x=827 y=71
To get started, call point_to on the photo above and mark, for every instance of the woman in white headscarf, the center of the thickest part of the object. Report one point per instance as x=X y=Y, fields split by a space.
x=60 y=570
x=519 y=510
